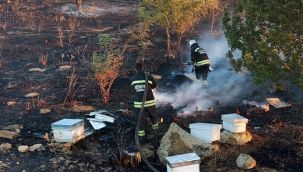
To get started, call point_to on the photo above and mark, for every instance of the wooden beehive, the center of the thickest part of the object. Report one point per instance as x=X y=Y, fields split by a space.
x=189 y=162
x=68 y=130
x=206 y=132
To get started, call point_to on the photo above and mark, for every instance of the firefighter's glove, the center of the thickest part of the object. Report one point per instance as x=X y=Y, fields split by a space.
x=210 y=69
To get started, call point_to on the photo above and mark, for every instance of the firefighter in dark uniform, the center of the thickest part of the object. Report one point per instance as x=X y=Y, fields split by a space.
x=138 y=83
x=200 y=61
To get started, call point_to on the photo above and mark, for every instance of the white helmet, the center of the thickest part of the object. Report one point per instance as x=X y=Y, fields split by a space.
x=191 y=42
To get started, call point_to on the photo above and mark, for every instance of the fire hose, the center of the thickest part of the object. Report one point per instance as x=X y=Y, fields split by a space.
x=138 y=122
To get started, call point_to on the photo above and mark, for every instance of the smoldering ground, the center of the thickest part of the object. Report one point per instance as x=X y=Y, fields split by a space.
x=225 y=86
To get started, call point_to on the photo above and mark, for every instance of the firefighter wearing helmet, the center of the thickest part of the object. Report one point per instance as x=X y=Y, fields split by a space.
x=138 y=83
x=200 y=60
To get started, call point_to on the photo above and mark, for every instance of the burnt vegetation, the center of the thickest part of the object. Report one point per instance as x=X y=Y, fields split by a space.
x=66 y=58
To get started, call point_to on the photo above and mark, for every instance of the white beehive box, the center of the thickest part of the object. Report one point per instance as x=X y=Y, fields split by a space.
x=68 y=130
x=206 y=132
x=234 y=123
x=189 y=162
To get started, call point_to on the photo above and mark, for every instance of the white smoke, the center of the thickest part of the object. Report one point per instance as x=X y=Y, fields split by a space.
x=224 y=85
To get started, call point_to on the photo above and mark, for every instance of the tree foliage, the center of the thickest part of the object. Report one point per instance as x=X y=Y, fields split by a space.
x=269 y=35
x=175 y=16
x=107 y=63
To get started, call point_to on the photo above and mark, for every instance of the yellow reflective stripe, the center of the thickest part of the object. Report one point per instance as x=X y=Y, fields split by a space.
x=141 y=133
x=203 y=62
x=141 y=82
x=146 y=104
x=155 y=126
x=197 y=49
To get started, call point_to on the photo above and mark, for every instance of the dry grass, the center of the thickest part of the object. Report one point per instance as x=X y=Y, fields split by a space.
x=43 y=59
x=61 y=36
x=27 y=19
x=72 y=81
x=226 y=157
x=1 y=62
x=73 y=23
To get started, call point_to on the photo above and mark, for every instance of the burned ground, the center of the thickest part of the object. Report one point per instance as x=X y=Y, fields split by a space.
x=30 y=30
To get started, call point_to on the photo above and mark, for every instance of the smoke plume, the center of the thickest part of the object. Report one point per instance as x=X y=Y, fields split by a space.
x=224 y=85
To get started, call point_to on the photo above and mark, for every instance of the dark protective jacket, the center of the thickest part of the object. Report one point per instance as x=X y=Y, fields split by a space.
x=199 y=56
x=138 y=83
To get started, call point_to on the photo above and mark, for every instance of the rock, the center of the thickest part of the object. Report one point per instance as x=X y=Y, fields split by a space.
x=13 y=127
x=8 y=134
x=177 y=141
x=45 y=110
x=11 y=85
x=11 y=103
x=65 y=67
x=36 y=147
x=23 y=148
x=245 y=161
x=36 y=70
x=82 y=108
x=32 y=94
x=147 y=152
x=3 y=165
x=5 y=147
x=235 y=138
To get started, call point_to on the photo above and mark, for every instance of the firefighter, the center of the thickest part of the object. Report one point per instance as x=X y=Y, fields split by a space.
x=138 y=83
x=200 y=60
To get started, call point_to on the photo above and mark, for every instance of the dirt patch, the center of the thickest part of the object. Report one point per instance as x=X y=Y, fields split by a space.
x=88 y=10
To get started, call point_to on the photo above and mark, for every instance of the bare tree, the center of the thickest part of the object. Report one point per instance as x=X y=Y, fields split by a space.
x=79 y=4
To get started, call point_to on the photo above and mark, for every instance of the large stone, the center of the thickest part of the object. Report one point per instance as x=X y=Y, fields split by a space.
x=11 y=103
x=65 y=67
x=13 y=127
x=36 y=147
x=8 y=134
x=45 y=110
x=82 y=108
x=177 y=141
x=235 y=138
x=148 y=153
x=32 y=94
x=245 y=161
x=5 y=147
x=4 y=165
x=23 y=148
x=37 y=70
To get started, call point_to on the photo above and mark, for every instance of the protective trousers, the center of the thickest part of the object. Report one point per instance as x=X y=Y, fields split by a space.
x=202 y=72
x=151 y=113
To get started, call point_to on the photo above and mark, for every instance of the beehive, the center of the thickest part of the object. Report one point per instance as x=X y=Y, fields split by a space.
x=234 y=123
x=189 y=162
x=68 y=130
x=206 y=132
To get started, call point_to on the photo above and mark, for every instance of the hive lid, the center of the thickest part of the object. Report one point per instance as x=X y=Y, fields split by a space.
x=67 y=123
x=183 y=160
x=277 y=103
x=234 y=118
x=205 y=126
